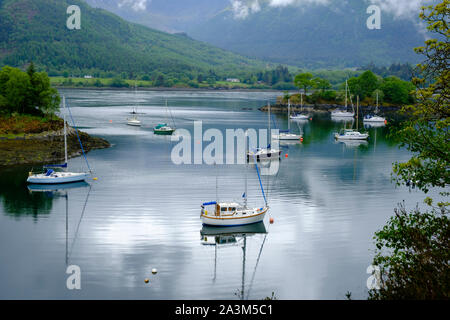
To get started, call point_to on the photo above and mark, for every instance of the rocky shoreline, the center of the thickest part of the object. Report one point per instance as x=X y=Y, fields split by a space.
x=46 y=147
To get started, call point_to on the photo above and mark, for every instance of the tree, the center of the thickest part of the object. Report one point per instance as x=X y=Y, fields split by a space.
x=427 y=133
x=27 y=92
x=321 y=84
x=369 y=83
x=304 y=80
x=397 y=91
x=413 y=249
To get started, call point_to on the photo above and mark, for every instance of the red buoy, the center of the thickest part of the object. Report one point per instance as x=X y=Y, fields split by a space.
x=286 y=155
x=271 y=220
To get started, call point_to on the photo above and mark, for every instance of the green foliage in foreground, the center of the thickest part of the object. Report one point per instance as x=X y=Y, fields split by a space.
x=413 y=249
x=413 y=252
x=26 y=92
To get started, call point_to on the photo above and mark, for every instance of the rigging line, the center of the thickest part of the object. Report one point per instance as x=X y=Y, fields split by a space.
x=259 y=177
x=79 y=222
x=171 y=116
x=79 y=140
x=256 y=266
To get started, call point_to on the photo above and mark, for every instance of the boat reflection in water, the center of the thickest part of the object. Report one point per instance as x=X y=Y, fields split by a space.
x=354 y=143
x=62 y=190
x=220 y=237
x=55 y=188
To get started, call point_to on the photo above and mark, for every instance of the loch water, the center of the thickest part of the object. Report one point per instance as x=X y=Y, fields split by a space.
x=327 y=200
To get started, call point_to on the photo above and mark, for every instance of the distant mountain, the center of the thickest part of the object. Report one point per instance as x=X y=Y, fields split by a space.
x=308 y=34
x=305 y=33
x=36 y=30
x=166 y=15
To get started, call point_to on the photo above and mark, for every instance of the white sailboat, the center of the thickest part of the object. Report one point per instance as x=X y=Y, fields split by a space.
x=350 y=134
x=300 y=116
x=134 y=121
x=287 y=135
x=375 y=118
x=230 y=214
x=341 y=113
x=56 y=177
x=268 y=153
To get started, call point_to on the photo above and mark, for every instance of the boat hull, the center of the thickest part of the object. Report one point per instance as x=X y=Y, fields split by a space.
x=300 y=117
x=217 y=221
x=266 y=155
x=164 y=132
x=375 y=120
x=355 y=137
x=287 y=137
x=134 y=124
x=58 y=178
x=342 y=115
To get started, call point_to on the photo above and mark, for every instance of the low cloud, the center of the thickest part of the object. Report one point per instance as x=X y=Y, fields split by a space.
x=401 y=8
x=241 y=8
x=283 y=3
x=136 y=5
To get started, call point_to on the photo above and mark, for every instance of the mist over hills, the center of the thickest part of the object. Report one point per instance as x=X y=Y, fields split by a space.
x=305 y=33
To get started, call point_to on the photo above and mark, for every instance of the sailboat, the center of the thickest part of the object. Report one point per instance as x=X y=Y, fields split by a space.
x=264 y=153
x=300 y=116
x=134 y=121
x=374 y=118
x=56 y=177
x=229 y=214
x=287 y=135
x=341 y=113
x=164 y=128
x=350 y=134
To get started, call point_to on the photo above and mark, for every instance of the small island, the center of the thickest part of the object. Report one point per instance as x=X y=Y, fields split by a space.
x=30 y=131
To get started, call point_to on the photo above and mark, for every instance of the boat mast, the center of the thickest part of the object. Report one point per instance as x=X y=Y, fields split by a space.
x=270 y=131
x=376 y=110
x=65 y=133
x=245 y=194
x=289 y=114
x=346 y=97
x=357 y=112
x=301 y=101
x=243 y=267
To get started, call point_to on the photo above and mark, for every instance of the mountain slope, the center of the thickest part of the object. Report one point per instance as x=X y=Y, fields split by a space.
x=36 y=30
x=312 y=35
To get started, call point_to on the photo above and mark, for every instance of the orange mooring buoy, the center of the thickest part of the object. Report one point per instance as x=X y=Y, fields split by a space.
x=147 y=280
x=271 y=220
x=286 y=155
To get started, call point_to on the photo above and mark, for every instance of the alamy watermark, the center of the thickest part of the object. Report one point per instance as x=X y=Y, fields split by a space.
x=374 y=21
x=73 y=282
x=74 y=20
x=210 y=147
x=374 y=281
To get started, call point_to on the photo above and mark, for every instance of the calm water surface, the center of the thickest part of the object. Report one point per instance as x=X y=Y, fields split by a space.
x=327 y=200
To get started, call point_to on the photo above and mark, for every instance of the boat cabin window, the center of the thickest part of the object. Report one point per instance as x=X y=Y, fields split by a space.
x=223 y=209
x=232 y=209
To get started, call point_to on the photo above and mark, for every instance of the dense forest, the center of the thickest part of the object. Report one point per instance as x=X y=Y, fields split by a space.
x=106 y=46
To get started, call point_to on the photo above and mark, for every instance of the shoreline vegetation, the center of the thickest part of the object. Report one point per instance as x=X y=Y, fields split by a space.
x=30 y=131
